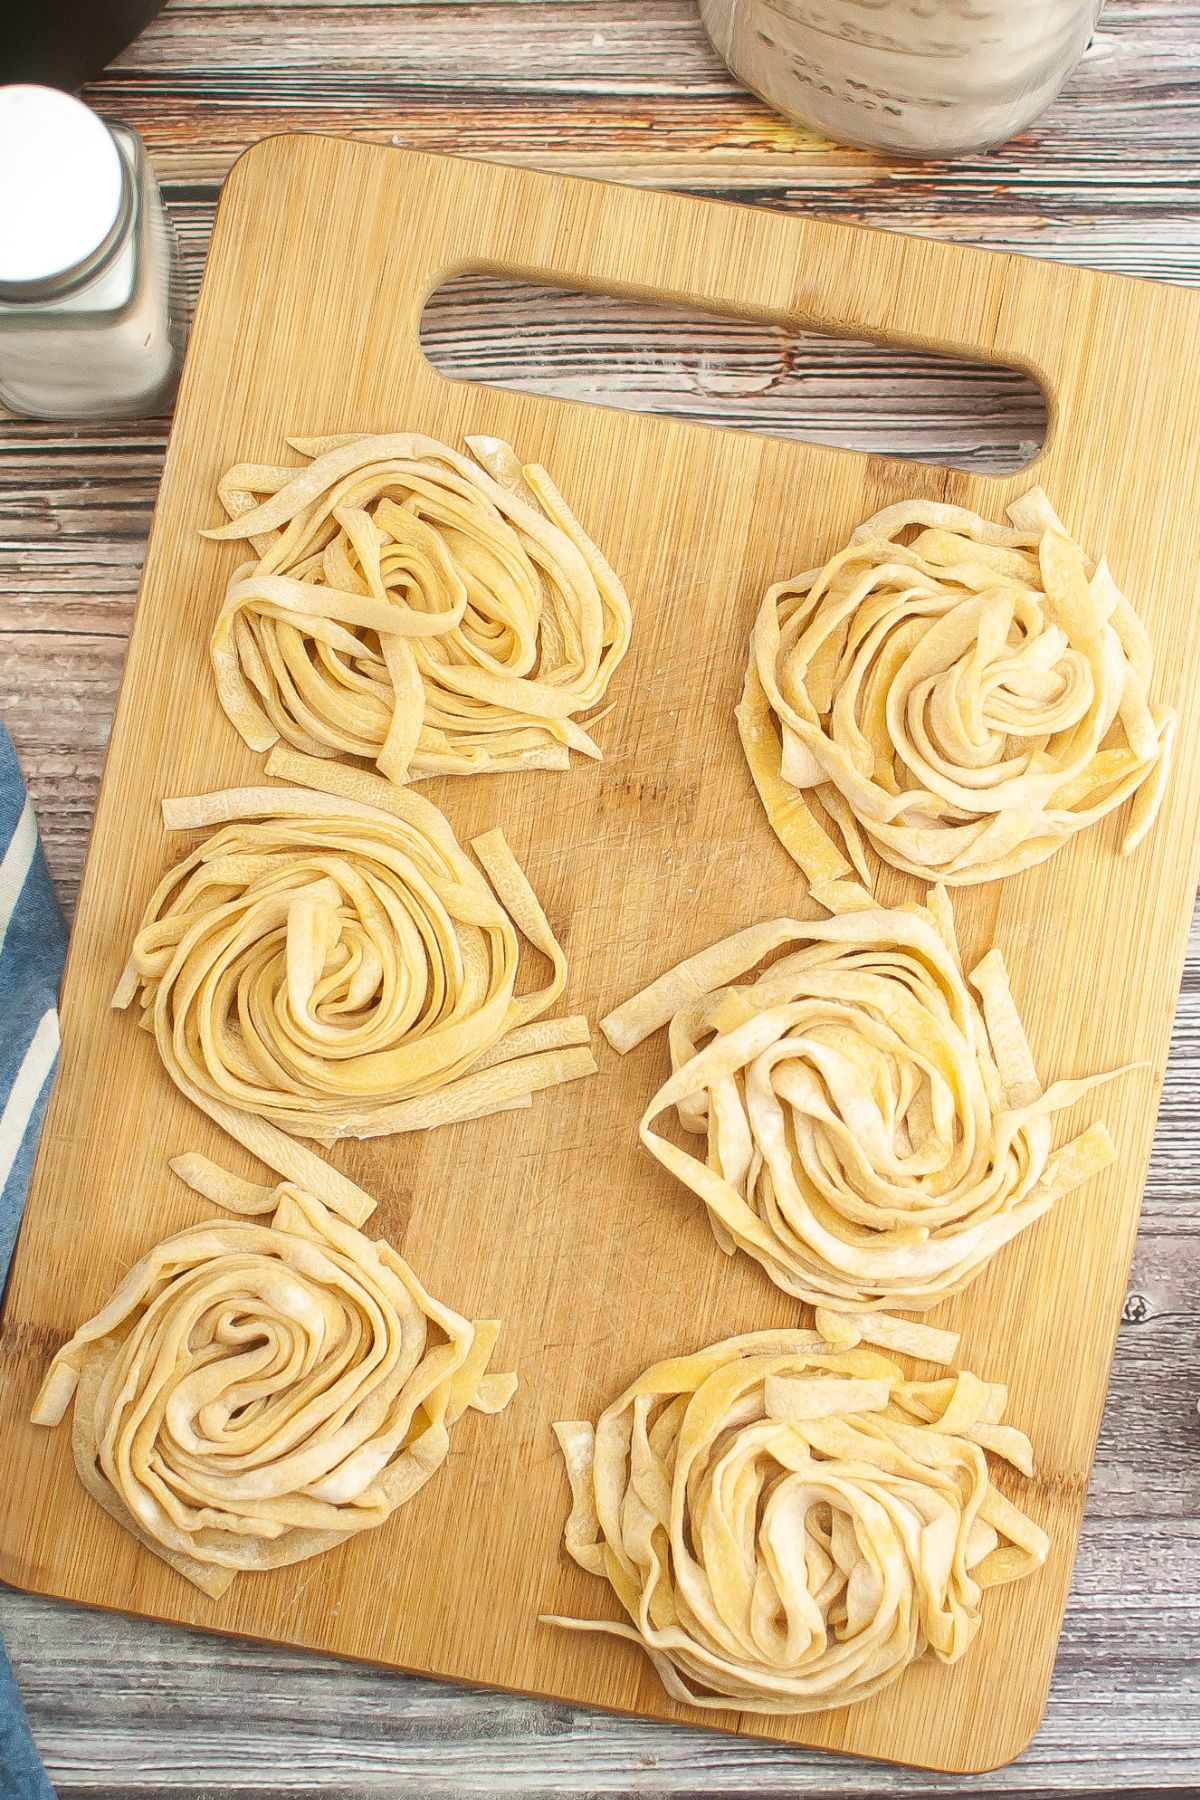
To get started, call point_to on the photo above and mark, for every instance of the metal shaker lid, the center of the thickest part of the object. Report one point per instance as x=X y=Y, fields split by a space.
x=65 y=193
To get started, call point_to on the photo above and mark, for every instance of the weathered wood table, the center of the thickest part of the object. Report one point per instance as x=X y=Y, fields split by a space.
x=125 y=1710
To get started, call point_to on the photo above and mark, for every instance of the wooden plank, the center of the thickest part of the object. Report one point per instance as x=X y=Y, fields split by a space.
x=667 y=119
x=1031 y=1310
x=1099 y=182
x=129 y=1706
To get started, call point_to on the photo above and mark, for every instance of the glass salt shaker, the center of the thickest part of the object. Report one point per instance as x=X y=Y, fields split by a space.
x=89 y=320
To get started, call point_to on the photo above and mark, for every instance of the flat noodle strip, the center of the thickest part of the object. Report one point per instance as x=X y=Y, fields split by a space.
x=788 y=1526
x=329 y=963
x=254 y=1394
x=961 y=696
x=433 y=613
x=873 y=1134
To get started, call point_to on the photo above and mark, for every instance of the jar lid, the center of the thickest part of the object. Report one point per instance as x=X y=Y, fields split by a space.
x=65 y=192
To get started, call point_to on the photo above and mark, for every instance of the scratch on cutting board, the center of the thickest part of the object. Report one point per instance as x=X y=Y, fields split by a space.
x=302 y=1586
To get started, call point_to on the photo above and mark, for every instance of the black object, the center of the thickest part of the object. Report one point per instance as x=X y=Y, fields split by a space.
x=63 y=43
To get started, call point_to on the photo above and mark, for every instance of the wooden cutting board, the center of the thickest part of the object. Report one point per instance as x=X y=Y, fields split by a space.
x=554 y=1220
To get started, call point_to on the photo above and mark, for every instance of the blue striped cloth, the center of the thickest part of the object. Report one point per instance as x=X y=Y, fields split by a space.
x=33 y=944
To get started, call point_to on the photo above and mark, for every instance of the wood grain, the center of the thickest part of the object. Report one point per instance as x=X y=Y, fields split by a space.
x=1108 y=178
x=261 y=1723
x=633 y=859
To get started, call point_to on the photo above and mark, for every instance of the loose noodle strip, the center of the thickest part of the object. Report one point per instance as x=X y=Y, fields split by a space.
x=962 y=696
x=255 y=1393
x=788 y=1525
x=329 y=963
x=874 y=1134
x=433 y=613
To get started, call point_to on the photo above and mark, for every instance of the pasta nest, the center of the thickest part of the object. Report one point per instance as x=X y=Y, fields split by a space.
x=962 y=696
x=874 y=1133
x=339 y=967
x=434 y=613
x=789 y=1524
x=255 y=1393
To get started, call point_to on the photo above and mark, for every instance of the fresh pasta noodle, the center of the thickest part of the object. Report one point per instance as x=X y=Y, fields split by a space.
x=256 y=1392
x=789 y=1522
x=874 y=1130
x=433 y=613
x=959 y=695
x=330 y=963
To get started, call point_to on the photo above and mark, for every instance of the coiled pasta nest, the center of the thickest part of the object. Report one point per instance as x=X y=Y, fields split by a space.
x=962 y=696
x=434 y=613
x=790 y=1522
x=255 y=1393
x=331 y=962
x=874 y=1132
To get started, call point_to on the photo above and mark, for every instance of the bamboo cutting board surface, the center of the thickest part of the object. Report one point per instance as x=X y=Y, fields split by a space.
x=554 y=1220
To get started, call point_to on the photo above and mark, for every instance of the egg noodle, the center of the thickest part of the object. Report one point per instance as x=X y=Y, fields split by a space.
x=789 y=1521
x=255 y=1393
x=962 y=696
x=434 y=613
x=329 y=962
x=874 y=1132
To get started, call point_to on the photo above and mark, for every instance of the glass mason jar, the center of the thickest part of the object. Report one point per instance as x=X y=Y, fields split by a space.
x=90 y=324
x=919 y=78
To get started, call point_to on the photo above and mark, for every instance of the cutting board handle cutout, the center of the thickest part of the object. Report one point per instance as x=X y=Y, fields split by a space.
x=771 y=378
x=739 y=262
